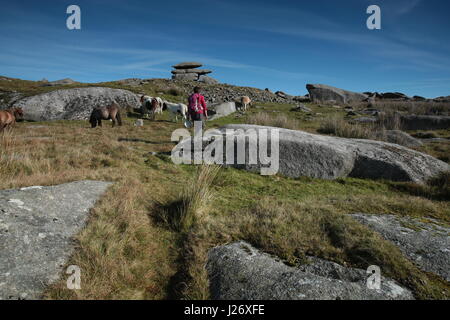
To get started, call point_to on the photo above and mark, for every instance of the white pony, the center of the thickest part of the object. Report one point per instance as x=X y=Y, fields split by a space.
x=160 y=105
x=176 y=109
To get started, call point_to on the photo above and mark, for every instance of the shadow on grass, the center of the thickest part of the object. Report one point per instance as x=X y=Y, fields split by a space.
x=436 y=188
x=165 y=215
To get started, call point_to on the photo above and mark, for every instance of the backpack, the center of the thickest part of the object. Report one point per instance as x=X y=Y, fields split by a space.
x=194 y=103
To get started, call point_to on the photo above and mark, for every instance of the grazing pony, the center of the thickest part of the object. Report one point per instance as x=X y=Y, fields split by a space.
x=8 y=117
x=111 y=112
x=146 y=105
x=176 y=109
x=160 y=105
x=245 y=102
x=146 y=102
x=156 y=107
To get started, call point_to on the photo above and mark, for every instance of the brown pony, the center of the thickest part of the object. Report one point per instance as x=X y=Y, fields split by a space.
x=111 y=112
x=8 y=117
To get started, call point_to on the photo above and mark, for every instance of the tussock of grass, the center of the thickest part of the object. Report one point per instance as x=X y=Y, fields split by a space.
x=188 y=209
x=279 y=121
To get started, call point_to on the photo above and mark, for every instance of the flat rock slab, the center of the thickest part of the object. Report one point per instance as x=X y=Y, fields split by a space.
x=187 y=65
x=239 y=271
x=428 y=245
x=36 y=229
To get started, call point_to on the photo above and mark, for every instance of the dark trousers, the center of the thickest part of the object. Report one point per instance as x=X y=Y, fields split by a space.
x=199 y=117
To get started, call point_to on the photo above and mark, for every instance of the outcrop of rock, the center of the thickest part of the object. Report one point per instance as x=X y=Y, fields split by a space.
x=427 y=244
x=74 y=104
x=218 y=93
x=442 y=99
x=238 y=271
x=323 y=93
x=187 y=65
x=394 y=96
x=207 y=79
x=61 y=82
x=302 y=108
x=198 y=71
x=224 y=93
x=7 y=98
x=36 y=229
x=187 y=71
x=191 y=76
x=417 y=122
x=302 y=98
x=401 y=138
x=283 y=95
x=134 y=82
x=374 y=95
x=221 y=110
x=305 y=154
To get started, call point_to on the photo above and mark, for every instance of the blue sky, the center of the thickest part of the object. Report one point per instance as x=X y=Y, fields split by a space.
x=282 y=45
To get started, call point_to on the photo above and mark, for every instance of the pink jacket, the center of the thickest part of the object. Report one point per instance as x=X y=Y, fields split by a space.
x=201 y=104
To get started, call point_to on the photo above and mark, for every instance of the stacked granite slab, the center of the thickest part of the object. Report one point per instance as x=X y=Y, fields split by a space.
x=188 y=71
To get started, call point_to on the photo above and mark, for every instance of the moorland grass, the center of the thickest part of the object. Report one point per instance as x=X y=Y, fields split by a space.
x=127 y=251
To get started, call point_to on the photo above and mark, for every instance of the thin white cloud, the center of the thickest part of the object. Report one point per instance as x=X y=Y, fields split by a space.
x=147 y=58
x=408 y=6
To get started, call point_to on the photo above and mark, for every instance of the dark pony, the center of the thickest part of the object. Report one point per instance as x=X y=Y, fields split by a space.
x=9 y=117
x=111 y=112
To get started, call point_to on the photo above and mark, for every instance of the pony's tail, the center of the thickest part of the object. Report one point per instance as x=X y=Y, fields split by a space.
x=119 y=118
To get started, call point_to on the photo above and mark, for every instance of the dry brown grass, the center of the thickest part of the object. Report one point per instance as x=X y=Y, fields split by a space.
x=120 y=252
x=389 y=120
x=341 y=128
x=409 y=107
x=279 y=120
x=126 y=252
